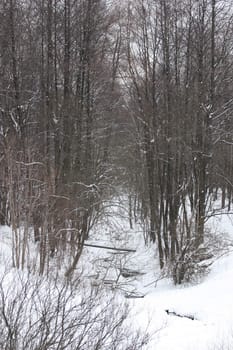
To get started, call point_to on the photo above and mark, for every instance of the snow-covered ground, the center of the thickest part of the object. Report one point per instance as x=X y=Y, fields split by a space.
x=207 y=307
x=210 y=302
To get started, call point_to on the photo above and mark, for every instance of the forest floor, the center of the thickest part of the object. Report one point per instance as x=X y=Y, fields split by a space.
x=199 y=316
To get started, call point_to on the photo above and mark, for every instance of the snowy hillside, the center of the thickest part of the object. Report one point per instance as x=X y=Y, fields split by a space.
x=185 y=317
x=207 y=307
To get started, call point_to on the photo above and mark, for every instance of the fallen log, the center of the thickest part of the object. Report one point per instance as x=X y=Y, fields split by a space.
x=111 y=248
x=173 y=313
x=126 y=273
x=134 y=296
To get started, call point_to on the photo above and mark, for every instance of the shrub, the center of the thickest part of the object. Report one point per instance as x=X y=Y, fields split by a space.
x=40 y=314
x=194 y=261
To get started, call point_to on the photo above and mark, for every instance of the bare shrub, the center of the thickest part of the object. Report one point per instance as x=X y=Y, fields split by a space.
x=193 y=261
x=40 y=314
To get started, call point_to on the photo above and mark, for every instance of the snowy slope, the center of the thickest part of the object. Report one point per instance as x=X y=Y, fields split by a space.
x=209 y=303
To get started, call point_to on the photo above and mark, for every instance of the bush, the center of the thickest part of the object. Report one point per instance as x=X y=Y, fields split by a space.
x=40 y=314
x=193 y=262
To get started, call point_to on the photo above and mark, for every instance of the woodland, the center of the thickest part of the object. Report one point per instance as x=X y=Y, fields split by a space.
x=105 y=97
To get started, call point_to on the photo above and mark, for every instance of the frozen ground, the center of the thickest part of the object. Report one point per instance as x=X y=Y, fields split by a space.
x=209 y=303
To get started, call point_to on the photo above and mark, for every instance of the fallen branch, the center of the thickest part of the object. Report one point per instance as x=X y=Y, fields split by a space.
x=111 y=248
x=173 y=313
x=126 y=273
x=134 y=296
